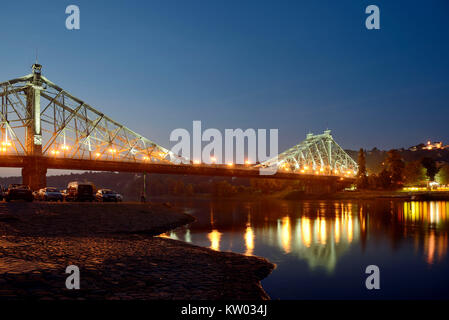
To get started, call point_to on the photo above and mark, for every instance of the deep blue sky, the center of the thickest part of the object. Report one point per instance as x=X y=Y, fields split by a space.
x=297 y=66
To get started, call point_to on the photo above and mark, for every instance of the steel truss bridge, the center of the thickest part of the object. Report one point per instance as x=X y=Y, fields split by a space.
x=43 y=126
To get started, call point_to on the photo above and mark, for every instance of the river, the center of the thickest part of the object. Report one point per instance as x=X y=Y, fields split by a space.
x=322 y=248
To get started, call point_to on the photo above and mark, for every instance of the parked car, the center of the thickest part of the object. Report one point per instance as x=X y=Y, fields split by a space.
x=64 y=194
x=18 y=192
x=108 y=195
x=80 y=191
x=50 y=194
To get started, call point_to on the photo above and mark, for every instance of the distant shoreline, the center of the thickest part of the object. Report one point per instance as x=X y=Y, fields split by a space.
x=343 y=195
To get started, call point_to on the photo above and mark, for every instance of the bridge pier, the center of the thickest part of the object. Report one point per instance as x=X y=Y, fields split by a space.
x=34 y=174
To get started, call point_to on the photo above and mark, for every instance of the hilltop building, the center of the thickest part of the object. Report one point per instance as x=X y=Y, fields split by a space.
x=430 y=145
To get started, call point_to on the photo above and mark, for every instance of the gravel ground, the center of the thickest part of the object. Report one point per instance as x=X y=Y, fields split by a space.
x=118 y=257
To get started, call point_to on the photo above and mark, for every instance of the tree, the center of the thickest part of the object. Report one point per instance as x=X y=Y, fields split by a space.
x=362 y=179
x=373 y=181
x=395 y=166
x=384 y=179
x=414 y=173
x=430 y=166
x=223 y=189
x=189 y=190
x=442 y=176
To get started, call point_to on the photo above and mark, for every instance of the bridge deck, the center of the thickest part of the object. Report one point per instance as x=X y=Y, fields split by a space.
x=182 y=169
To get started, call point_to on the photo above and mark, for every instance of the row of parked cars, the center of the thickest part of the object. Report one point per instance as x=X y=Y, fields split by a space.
x=76 y=191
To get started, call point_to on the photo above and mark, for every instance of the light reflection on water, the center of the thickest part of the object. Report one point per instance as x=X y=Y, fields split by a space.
x=325 y=236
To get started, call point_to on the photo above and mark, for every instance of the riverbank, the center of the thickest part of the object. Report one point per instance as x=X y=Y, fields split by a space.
x=342 y=195
x=118 y=256
x=370 y=195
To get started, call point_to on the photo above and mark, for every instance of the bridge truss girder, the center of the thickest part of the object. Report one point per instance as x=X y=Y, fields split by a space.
x=316 y=154
x=66 y=126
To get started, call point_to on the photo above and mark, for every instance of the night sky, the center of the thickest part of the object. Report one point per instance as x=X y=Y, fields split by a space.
x=298 y=66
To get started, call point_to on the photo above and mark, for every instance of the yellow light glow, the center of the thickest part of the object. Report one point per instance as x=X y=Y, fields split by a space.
x=213 y=159
x=337 y=230
x=322 y=231
x=305 y=231
x=197 y=162
x=350 y=229
x=98 y=154
x=285 y=234
x=230 y=164
x=249 y=240
x=214 y=237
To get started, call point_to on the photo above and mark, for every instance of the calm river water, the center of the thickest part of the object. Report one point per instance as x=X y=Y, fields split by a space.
x=321 y=248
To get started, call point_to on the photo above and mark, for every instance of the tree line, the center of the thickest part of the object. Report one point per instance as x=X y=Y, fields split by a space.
x=397 y=173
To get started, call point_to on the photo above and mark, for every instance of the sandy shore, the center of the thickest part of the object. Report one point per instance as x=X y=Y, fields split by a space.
x=118 y=257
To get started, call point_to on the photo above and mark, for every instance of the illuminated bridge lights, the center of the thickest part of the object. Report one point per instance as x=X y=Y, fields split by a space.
x=74 y=130
x=4 y=146
x=317 y=154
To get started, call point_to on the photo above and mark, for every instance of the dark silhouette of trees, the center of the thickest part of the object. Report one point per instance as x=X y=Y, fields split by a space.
x=431 y=167
x=189 y=190
x=362 y=178
x=442 y=176
x=395 y=166
x=384 y=179
x=414 y=173
x=223 y=189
